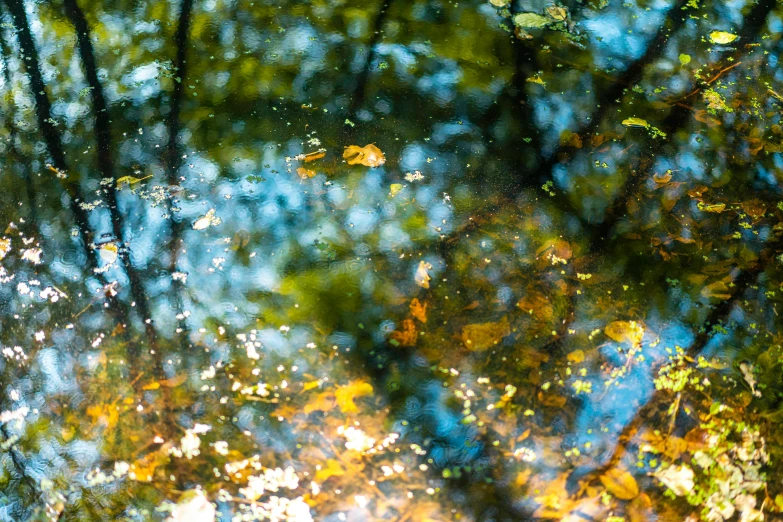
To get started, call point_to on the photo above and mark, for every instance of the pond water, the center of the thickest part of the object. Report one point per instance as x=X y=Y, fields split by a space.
x=402 y=260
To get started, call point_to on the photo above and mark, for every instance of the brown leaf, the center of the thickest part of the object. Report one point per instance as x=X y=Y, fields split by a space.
x=620 y=483
x=754 y=208
x=419 y=310
x=479 y=337
x=175 y=381
x=143 y=470
x=717 y=290
x=369 y=155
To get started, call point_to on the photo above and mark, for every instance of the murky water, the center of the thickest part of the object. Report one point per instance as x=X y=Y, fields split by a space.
x=404 y=260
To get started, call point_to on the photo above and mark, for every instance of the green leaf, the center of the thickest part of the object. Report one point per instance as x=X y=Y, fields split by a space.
x=531 y=21
x=130 y=180
x=685 y=59
x=635 y=122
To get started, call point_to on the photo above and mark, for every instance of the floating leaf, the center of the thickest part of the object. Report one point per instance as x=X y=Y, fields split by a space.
x=635 y=122
x=346 y=394
x=143 y=470
x=130 y=180
x=536 y=79
x=722 y=37
x=685 y=59
x=108 y=252
x=620 y=483
x=531 y=21
x=576 y=357
x=395 y=188
x=662 y=179
x=422 y=276
x=559 y=14
x=151 y=386
x=479 y=337
x=629 y=332
x=419 y=310
x=305 y=173
x=369 y=155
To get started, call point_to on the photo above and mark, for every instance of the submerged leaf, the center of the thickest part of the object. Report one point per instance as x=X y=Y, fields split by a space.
x=419 y=310
x=346 y=394
x=305 y=173
x=395 y=188
x=479 y=337
x=531 y=21
x=130 y=180
x=722 y=37
x=369 y=155
x=635 y=122
x=620 y=483
x=625 y=331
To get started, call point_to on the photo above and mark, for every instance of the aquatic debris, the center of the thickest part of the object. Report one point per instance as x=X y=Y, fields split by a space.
x=422 y=276
x=369 y=155
x=207 y=220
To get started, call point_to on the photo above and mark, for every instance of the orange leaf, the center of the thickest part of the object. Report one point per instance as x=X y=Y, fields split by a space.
x=369 y=155
x=419 y=310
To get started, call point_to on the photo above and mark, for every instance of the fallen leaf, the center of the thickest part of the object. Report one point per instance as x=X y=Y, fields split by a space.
x=130 y=180
x=422 y=276
x=419 y=310
x=679 y=479
x=629 y=332
x=395 y=188
x=346 y=394
x=479 y=337
x=312 y=156
x=685 y=59
x=151 y=386
x=332 y=469
x=722 y=37
x=715 y=208
x=305 y=173
x=754 y=208
x=175 y=381
x=576 y=356
x=531 y=21
x=662 y=179
x=143 y=470
x=559 y=14
x=620 y=483
x=635 y=122
x=322 y=402
x=369 y=155
x=717 y=290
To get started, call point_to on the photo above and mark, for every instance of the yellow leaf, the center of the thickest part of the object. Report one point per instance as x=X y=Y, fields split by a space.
x=625 y=331
x=332 y=469
x=715 y=208
x=407 y=335
x=305 y=173
x=311 y=385
x=635 y=122
x=718 y=290
x=130 y=180
x=722 y=37
x=479 y=337
x=576 y=356
x=322 y=402
x=395 y=188
x=106 y=414
x=620 y=483
x=174 y=381
x=369 y=155
x=143 y=470
x=346 y=394
x=151 y=386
